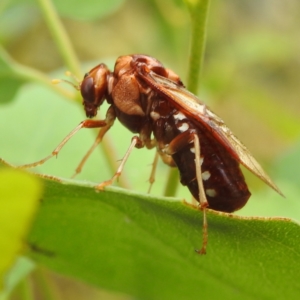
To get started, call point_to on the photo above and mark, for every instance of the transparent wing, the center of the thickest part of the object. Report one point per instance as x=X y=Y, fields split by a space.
x=197 y=110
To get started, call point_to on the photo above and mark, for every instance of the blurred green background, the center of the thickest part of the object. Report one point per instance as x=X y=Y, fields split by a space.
x=250 y=77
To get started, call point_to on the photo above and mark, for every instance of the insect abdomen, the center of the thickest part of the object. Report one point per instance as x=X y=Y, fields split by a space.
x=223 y=181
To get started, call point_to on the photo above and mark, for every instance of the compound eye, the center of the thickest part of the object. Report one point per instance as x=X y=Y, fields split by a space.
x=88 y=90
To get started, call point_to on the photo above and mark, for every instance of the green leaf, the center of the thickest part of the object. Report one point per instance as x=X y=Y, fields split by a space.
x=142 y=246
x=9 y=88
x=19 y=195
x=9 y=84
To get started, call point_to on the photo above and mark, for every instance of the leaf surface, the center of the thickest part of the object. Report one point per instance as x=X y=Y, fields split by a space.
x=142 y=246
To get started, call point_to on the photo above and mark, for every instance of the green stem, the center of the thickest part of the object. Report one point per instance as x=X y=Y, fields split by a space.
x=24 y=290
x=60 y=37
x=32 y=75
x=198 y=11
x=172 y=183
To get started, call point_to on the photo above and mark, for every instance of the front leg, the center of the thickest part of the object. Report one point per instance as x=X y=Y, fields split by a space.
x=135 y=142
x=83 y=124
x=109 y=120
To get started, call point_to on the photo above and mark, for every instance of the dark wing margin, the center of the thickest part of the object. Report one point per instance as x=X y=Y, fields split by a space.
x=193 y=107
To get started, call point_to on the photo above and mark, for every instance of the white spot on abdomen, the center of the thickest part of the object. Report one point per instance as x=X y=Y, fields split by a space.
x=179 y=116
x=205 y=175
x=183 y=127
x=211 y=192
x=201 y=157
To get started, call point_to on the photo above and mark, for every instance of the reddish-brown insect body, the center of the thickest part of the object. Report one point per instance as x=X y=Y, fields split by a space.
x=151 y=101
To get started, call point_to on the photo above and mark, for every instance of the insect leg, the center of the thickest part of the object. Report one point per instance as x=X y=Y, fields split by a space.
x=176 y=145
x=202 y=197
x=153 y=171
x=83 y=124
x=109 y=120
x=135 y=142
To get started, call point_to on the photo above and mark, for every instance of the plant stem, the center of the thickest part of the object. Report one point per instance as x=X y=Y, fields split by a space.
x=198 y=11
x=60 y=36
x=25 y=73
x=172 y=183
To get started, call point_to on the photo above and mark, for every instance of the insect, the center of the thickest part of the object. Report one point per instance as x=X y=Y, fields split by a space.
x=152 y=102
